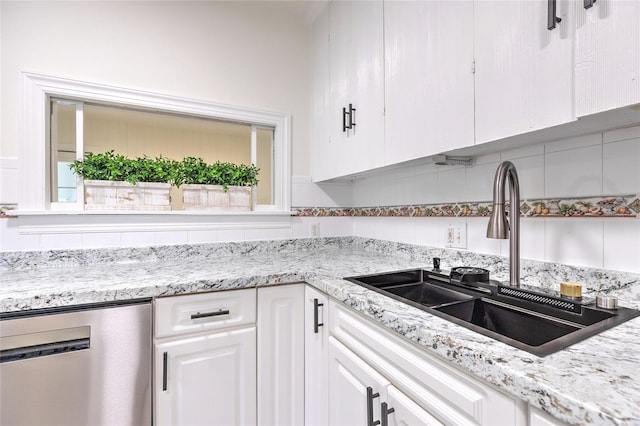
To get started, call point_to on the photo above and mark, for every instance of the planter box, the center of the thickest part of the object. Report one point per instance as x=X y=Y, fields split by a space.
x=109 y=195
x=213 y=197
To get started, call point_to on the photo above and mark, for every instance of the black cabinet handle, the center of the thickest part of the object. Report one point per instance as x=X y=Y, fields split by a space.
x=588 y=4
x=552 y=19
x=351 y=113
x=385 y=413
x=370 y=396
x=210 y=314
x=316 y=324
x=352 y=116
x=164 y=371
x=344 y=120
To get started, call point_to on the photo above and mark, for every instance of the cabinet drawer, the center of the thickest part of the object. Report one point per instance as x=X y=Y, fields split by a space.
x=205 y=311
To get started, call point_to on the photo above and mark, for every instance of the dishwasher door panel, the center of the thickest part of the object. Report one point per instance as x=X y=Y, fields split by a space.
x=107 y=383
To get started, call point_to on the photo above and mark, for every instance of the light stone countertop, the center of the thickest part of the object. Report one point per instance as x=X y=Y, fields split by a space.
x=596 y=381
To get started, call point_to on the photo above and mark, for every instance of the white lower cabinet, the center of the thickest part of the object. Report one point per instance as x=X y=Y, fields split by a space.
x=281 y=355
x=230 y=358
x=418 y=387
x=205 y=359
x=359 y=395
x=355 y=389
x=316 y=357
x=289 y=355
x=405 y=411
x=208 y=379
x=538 y=417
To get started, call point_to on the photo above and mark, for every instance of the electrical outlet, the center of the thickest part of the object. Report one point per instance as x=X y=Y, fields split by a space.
x=456 y=235
x=315 y=229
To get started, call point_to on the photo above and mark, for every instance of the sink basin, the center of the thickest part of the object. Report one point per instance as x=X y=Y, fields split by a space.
x=391 y=278
x=527 y=325
x=426 y=294
x=410 y=285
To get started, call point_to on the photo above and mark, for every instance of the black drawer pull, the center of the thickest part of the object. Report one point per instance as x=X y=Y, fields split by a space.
x=370 y=397
x=210 y=314
x=316 y=324
x=552 y=18
x=385 y=413
x=164 y=371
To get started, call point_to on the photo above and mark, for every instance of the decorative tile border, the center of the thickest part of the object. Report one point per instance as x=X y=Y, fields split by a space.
x=603 y=206
x=6 y=207
x=322 y=211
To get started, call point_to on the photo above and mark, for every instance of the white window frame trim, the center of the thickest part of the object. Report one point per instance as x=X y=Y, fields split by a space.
x=33 y=131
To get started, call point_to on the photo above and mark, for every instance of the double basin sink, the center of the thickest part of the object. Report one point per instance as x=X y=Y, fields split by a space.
x=537 y=328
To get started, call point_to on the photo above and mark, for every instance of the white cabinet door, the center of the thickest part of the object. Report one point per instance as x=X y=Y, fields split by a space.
x=358 y=394
x=316 y=354
x=355 y=389
x=434 y=385
x=281 y=355
x=428 y=78
x=405 y=411
x=357 y=77
x=323 y=165
x=607 y=63
x=524 y=72
x=208 y=379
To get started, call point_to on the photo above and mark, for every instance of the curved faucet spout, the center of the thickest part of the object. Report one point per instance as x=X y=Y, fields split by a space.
x=499 y=224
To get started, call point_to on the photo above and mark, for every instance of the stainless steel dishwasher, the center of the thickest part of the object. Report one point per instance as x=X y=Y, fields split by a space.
x=88 y=365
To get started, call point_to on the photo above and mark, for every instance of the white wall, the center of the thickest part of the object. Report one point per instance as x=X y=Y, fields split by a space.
x=600 y=164
x=251 y=54
x=235 y=52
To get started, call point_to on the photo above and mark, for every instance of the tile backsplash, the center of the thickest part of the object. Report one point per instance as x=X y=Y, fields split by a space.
x=590 y=186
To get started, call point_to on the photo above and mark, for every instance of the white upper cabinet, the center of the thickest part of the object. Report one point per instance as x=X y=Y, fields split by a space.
x=607 y=64
x=524 y=71
x=323 y=165
x=428 y=78
x=356 y=74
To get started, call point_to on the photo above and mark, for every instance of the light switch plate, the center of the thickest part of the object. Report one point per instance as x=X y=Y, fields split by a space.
x=315 y=229
x=456 y=235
